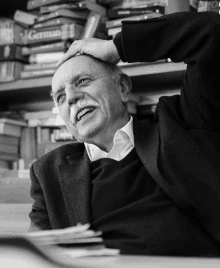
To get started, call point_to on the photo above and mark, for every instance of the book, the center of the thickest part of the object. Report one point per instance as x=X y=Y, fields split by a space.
x=10 y=33
x=52 y=34
x=213 y=6
x=33 y=4
x=11 y=52
x=10 y=70
x=64 y=13
x=91 y=6
x=9 y=140
x=118 y=22
x=39 y=66
x=25 y=18
x=9 y=149
x=125 y=12
x=114 y=4
x=39 y=114
x=8 y=157
x=46 y=57
x=94 y=24
x=11 y=127
x=28 y=144
x=37 y=73
x=52 y=47
x=58 y=21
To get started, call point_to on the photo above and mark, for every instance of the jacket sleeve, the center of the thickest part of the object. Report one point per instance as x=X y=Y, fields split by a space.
x=192 y=38
x=38 y=215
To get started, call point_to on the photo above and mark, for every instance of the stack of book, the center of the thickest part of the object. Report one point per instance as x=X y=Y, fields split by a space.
x=50 y=130
x=120 y=10
x=10 y=135
x=52 y=26
x=11 y=58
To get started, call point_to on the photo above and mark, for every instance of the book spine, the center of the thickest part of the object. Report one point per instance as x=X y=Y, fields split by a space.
x=58 y=21
x=95 y=7
x=39 y=66
x=58 y=46
x=5 y=148
x=61 y=32
x=16 y=34
x=32 y=4
x=4 y=139
x=47 y=16
x=213 y=6
x=11 y=52
x=65 y=13
x=52 y=8
x=114 y=4
x=117 y=13
x=5 y=35
x=92 y=25
x=10 y=130
x=37 y=73
x=8 y=157
x=24 y=17
x=9 y=71
x=118 y=22
x=45 y=57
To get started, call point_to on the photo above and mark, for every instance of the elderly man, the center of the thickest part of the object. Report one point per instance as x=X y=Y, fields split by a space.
x=151 y=187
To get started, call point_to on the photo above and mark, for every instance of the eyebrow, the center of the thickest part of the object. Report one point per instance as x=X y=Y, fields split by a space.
x=71 y=81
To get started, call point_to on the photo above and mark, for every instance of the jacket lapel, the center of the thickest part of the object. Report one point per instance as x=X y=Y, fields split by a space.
x=147 y=144
x=75 y=183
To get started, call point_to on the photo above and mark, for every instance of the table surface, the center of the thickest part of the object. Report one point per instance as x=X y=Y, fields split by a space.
x=144 y=261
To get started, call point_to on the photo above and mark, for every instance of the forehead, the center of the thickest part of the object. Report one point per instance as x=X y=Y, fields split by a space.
x=76 y=66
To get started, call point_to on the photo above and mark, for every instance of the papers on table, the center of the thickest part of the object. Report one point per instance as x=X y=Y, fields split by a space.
x=71 y=235
x=62 y=245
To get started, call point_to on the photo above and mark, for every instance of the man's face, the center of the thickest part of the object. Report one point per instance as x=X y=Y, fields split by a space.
x=89 y=101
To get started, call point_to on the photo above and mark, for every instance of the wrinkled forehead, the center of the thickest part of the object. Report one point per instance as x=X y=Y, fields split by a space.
x=75 y=66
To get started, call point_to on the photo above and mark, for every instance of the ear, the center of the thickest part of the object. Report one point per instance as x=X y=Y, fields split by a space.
x=125 y=87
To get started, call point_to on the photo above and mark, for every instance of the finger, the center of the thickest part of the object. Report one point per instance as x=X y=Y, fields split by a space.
x=72 y=51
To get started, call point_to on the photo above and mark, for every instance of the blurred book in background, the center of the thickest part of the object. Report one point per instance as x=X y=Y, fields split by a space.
x=10 y=56
x=54 y=26
x=135 y=10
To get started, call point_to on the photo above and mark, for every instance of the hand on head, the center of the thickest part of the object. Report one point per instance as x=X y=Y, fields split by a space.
x=102 y=49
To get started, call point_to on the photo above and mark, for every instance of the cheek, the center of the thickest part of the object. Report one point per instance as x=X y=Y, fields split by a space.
x=64 y=113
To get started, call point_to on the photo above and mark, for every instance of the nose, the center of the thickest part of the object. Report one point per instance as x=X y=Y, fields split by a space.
x=73 y=96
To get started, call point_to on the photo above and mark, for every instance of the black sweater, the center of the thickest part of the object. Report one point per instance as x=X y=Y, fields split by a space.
x=137 y=217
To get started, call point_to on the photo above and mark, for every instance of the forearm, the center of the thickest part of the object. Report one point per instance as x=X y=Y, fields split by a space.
x=179 y=36
x=193 y=38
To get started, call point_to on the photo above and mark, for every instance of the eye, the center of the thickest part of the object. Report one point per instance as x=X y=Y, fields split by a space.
x=83 y=81
x=60 y=99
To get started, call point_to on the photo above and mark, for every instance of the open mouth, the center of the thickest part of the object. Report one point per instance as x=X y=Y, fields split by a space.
x=84 y=112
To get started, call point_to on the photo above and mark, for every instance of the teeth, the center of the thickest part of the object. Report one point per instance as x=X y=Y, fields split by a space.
x=82 y=112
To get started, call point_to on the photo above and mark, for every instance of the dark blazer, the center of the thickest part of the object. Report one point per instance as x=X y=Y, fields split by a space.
x=180 y=149
x=61 y=179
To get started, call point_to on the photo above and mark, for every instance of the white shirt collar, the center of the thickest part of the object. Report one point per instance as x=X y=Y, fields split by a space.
x=123 y=143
